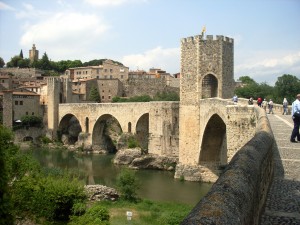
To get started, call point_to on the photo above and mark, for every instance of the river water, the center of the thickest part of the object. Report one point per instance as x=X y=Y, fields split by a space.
x=99 y=169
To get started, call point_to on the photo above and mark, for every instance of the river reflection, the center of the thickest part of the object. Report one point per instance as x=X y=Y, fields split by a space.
x=99 y=169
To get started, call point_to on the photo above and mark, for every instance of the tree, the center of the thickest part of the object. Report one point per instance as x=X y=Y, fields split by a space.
x=23 y=63
x=14 y=61
x=246 y=80
x=94 y=95
x=286 y=86
x=21 y=54
x=2 y=63
x=5 y=202
x=128 y=185
x=45 y=63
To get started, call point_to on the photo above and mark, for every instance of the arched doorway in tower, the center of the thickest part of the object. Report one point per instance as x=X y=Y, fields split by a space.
x=69 y=129
x=209 y=86
x=142 y=131
x=214 y=143
x=106 y=133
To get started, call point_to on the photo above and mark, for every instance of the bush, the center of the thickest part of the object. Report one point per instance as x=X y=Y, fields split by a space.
x=5 y=201
x=128 y=185
x=166 y=96
x=49 y=197
x=33 y=121
x=96 y=215
x=79 y=208
x=132 y=142
x=45 y=140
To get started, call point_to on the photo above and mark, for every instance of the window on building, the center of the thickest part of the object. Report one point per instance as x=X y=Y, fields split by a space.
x=2 y=81
x=102 y=97
x=32 y=113
x=109 y=97
x=102 y=90
x=109 y=91
x=26 y=113
x=16 y=103
x=105 y=77
x=121 y=76
x=110 y=76
x=105 y=70
x=21 y=102
x=110 y=70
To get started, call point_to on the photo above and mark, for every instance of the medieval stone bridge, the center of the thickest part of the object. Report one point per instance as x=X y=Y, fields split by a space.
x=222 y=129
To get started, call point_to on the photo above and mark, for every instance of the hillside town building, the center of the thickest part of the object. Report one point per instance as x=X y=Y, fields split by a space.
x=108 y=70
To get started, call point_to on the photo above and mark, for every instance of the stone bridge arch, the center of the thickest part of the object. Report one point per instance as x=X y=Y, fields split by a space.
x=213 y=149
x=69 y=128
x=101 y=134
x=142 y=130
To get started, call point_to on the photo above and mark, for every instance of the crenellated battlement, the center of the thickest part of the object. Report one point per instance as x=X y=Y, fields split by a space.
x=207 y=38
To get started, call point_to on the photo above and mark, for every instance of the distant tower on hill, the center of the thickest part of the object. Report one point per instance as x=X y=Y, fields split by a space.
x=33 y=54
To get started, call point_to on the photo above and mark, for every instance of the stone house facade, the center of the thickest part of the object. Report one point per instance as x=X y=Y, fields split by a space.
x=109 y=89
x=108 y=70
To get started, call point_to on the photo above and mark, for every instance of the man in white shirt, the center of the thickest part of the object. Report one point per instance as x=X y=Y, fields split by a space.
x=295 y=108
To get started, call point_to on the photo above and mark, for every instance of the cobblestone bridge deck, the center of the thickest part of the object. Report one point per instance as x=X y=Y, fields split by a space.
x=283 y=200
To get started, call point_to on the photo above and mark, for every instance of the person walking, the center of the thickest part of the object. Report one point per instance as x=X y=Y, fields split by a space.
x=259 y=101
x=296 y=119
x=264 y=104
x=270 y=106
x=285 y=106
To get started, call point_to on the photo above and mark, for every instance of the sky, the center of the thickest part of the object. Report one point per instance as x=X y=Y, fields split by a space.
x=143 y=34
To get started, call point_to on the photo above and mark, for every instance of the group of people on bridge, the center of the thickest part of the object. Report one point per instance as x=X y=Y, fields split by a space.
x=295 y=112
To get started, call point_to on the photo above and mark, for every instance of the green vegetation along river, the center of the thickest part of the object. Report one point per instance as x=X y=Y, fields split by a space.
x=99 y=169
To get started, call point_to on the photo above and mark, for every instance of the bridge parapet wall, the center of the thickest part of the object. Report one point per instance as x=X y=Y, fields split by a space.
x=238 y=195
x=277 y=108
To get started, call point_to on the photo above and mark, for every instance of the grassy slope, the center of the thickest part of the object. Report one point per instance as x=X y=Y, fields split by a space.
x=146 y=212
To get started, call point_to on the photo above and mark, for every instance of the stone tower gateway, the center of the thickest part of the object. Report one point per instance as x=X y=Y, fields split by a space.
x=54 y=97
x=206 y=72
x=59 y=91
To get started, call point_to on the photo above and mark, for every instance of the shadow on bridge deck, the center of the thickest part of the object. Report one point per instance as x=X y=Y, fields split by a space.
x=283 y=200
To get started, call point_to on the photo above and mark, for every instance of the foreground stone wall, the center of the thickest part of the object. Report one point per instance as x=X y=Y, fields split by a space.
x=238 y=195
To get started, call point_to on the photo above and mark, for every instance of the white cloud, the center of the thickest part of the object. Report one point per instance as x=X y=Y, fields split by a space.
x=165 y=59
x=29 y=12
x=267 y=66
x=4 y=6
x=65 y=34
x=112 y=2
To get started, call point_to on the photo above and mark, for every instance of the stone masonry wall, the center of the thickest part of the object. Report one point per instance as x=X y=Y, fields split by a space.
x=238 y=195
x=23 y=72
x=134 y=87
x=163 y=121
x=240 y=124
